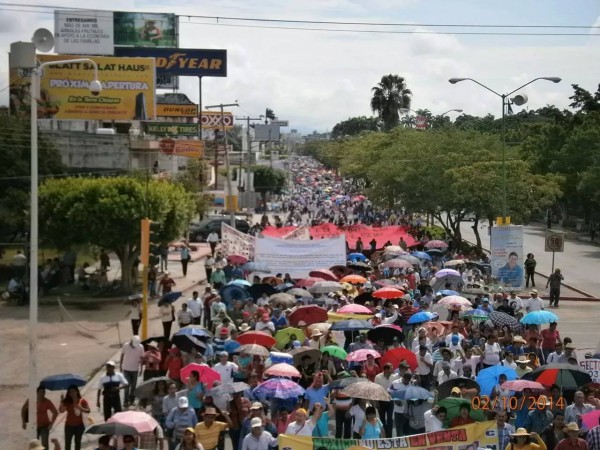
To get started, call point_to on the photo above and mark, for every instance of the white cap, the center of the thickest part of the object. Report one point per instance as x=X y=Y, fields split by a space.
x=183 y=402
x=256 y=422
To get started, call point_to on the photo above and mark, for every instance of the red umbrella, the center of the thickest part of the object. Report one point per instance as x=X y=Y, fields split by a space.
x=257 y=337
x=388 y=292
x=282 y=370
x=207 y=375
x=397 y=355
x=354 y=309
x=325 y=274
x=309 y=314
x=307 y=282
x=237 y=259
x=436 y=244
x=398 y=264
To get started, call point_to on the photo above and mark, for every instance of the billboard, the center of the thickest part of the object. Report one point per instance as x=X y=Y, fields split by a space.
x=128 y=89
x=266 y=133
x=185 y=62
x=83 y=32
x=135 y=29
x=212 y=119
x=170 y=129
x=182 y=147
x=506 y=243
x=173 y=110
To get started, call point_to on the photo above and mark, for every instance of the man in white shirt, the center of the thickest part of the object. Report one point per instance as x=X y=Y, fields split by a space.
x=108 y=387
x=400 y=417
x=225 y=368
x=195 y=307
x=515 y=301
x=225 y=325
x=445 y=374
x=435 y=418
x=213 y=240
x=184 y=316
x=425 y=361
x=386 y=409
x=577 y=409
x=263 y=300
x=132 y=355
x=301 y=426
x=265 y=325
x=534 y=303
x=258 y=438
x=454 y=339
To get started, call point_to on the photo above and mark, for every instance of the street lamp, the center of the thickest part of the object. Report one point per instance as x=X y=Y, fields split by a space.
x=451 y=110
x=505 y=103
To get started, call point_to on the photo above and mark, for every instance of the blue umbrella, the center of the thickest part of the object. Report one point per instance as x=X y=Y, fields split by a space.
x=475 y=312
x=352 y=325
x=447 y=292
x=412 y=393
x=284 y=287
x=281 y=388
x=539 y=318
x=420 y=317
x=171 y=297
x=233 y=292
x=240 y=282
x=357 y=256
x=62 y=381
x=488 y=378
x=421 y=255
x=254 y=266
x=194 y=330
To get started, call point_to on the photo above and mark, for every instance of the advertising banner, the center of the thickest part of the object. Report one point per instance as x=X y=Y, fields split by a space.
x=298 y=258
x=163 y=110
x=185 y=62
x=468 y=437
x=592 y=366
x=127 y=89
x=83 y=32
x=180 y=147
x=212 y=119
x=234 y=242
x=506 y=244
x=170 y=129
x=301 y=233
x=135 y=29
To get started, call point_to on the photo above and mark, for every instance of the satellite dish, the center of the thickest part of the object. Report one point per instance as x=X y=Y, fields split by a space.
x=43 y=40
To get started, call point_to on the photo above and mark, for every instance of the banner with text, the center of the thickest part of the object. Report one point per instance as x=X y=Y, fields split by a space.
x=234 y=242
x=298 y=257
x=506 y=243
x=468 y=437
x=301 y=233
x=170 y=129
x=592 y=366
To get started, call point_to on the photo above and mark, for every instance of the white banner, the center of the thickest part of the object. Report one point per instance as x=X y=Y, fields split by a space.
x=301 y=233
x=592 y=366
x=234 y=242
x=78 y=32
x=506 y=243
x=299 y=257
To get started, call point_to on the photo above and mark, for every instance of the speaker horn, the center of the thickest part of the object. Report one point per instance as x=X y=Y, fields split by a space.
x=519 y=99
x=43 y=40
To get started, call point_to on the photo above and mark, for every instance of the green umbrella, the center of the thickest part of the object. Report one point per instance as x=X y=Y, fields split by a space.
x=283 y=336
x=335 y=351
x=453 y=404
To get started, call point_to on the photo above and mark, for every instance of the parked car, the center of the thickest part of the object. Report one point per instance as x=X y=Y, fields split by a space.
x=199 y=230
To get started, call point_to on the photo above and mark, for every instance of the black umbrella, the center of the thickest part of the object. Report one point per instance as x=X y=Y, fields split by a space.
x=434 y=251
x=360 y=266
x=567 y=376
x=145 y=342
x=146 y=389
x=504 y=320
x=186 y=342
x=385 y=333
x=363 y=298
x=256 y=290
x=112 y=428
x=445 y=389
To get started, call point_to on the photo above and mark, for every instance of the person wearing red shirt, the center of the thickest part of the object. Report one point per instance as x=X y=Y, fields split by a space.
x=550 y=336
x=174 y=365
x=76 y=407
x=44 y=422
x=463 y=417
x=370 y=369
x=151 y=361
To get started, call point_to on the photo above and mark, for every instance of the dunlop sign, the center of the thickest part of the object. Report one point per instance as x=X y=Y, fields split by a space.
x=182 y=61
x=167 y=110
x=171 y=129
x=212 y=119
x=180 y=147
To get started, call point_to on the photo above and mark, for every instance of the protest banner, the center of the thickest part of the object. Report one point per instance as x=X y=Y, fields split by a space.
x=506 y=243
x=468 y=437
x=336 y=317
x=299 y=257
x=592 y=366
x=301 y=233
x=234 y=242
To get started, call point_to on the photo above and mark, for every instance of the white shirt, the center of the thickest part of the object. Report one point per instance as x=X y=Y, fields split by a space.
x=262 y=301
x=553 y=358
x=398 y=386
x=442 y=377
x=359 y=417
x=263 y=442
x=267 y=327
x=300 y=430
x=195 y=307
x=535 y=304
x=166 y=313
x=226 y=371
x=132 y=357
x=384 y=382
x=423 y=368
x=491 y=354
x=432 y=423
x=117 y=377
x=505 y=363
x=518 y=301
x=212 y=237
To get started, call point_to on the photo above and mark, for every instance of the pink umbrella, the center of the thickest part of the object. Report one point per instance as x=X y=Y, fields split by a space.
x=325 y=274
x=354 y=309
x=207 y=375
x=446 y=273
x=590 y=420
x=521 y=385
x=455 y=301
x=307 y=282
x=142 y=422
x=361 y=355
x=436 y=244
x=282 y=370
x=398 y=264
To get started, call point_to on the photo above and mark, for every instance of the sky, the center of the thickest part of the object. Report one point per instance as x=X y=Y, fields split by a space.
x=315 y=79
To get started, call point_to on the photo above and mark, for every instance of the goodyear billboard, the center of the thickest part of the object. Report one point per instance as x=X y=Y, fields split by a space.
x=127 y=94
x=182 y=61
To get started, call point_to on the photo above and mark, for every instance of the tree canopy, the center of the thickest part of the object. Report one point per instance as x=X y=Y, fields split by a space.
x=268 y=180
x=354 y=126
x=389 y=97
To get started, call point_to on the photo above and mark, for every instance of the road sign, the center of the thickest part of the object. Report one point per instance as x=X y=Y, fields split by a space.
x=421 y=123
x=555 y=242
x=281 y=123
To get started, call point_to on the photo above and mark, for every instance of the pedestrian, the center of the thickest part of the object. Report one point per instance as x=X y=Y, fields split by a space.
x=132 y=355
x=189 y=441
x=371 y=428
x=109 y=386
x=152 y=272
x=186 y=257
x=226 y=368
x=530 y=264
x=75 y=406
x=166 y=283
x=195 y=307
x=217 y=278
x=258 y=438
x=554 y=281
x=209 y=264
x=179 y=420
x=46 y=414
x=167 y=317
x=135 y=314
x=210 y=432
x=184 y=316
x=213 y=240
x=572 y=441
x=163 y=252
x=104 y=262
x=151 y=361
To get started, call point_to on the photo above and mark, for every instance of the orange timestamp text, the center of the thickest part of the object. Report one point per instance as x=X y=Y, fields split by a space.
x=485 y=403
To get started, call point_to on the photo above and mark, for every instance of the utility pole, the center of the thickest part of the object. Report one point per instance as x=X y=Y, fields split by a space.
x=249 y=150
x=229 y=187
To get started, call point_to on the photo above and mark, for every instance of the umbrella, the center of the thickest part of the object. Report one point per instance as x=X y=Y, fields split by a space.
x=501 y=319
x=342 y=270
x=257 y=290
x=197 y=331
x=335 y=351
x=384 y=282
x=185 y=343
x=356 y=256
x=420 y=317
x=237 y=259
x=111 y=429
x=436 y=244
x=270 y=280
x=230 y=388
x=387 y=333
x=434 y=326
x=360 y=266
x=307 y=282
x=397 y=264
x=233 y=292
x=301 y=352
x=521 y=385
x=257 y=337
x=62 y=381
x=363 y=298
x=345 y=382
x=284 y=336
x=448 y=292
x=453 y=404
x=354 y=279
x=207 y=375
x=146 y=389
x=240 y=282
x=362 y=354
x=354 y=309
x=434 y=252
x=455 y=301
x=367 y=390
x=351 y=325
x=325 y=287
x=567 y=376
x=325 y=274
x=141 y=421
x=308 y=314
x=539 y=318
x=170 y=297
x=445 y=389
x=476 y=314
x=282 y=370
x=394 y=250
x=590 y=420
x=446 y=273
x=284 y=287
x=254 y=266
x=323 y=327
x=488 y=378
x=280 y=388
x=396 y=355
x=254 y=349
x=455 y=262
x=411 y=259
x=421 y=255
x=298 y=292
x=412 y=393
x=282 y=298
x=388 y=292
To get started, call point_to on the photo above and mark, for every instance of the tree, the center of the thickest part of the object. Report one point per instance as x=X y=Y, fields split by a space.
x=584 y=100
x=193 y=181
x=269 y=115
x=389 y=97
x=354 y=126
x=268 y=180
x=106 y=212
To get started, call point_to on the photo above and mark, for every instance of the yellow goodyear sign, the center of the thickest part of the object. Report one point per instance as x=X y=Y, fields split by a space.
x=183 y=62
x=127 y=89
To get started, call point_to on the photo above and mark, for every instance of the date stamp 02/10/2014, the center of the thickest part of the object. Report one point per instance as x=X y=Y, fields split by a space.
x=514 y=403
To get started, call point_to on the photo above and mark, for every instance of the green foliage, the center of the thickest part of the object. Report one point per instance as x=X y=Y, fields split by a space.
x=585 y=100
x=354 y=126
x=268 y=179
x=269 y=115
x=389 y=97
x=193 y=181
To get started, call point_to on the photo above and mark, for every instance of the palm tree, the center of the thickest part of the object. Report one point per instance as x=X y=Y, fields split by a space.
x=409 y=121
x=269 y=115
x=389 y=97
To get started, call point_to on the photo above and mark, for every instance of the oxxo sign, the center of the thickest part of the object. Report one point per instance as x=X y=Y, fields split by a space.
x=211 y=119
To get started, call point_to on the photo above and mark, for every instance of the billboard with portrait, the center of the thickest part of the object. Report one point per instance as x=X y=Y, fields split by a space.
x=506 y=244
x=136 y=29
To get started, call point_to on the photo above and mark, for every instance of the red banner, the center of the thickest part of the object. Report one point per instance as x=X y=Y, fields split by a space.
x=353 y=232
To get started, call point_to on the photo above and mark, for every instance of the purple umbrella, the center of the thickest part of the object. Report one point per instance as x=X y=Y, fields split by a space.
x=446 y=273
x=278 y=388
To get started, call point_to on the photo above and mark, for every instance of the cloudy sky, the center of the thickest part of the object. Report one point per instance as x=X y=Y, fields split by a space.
x=318 y=78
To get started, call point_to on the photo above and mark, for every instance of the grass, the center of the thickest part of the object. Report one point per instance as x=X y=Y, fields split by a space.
x=84 y=254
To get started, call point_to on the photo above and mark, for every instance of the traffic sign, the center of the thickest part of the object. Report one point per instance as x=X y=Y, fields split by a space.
x=555 y=242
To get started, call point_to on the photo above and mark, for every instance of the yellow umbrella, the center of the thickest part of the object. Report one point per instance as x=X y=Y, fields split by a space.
x=336 y=317
x=283 y=336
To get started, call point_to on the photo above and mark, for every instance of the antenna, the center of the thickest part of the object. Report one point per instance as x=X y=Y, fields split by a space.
x=43 y=40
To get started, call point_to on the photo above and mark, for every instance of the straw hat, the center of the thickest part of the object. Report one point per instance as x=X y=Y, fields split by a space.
x=522 y=359
x=244 y=327
x=572 y=426
x=519 y=339
x=520 y=432
x=316 y=333
x=35 y=444
x=209 y=412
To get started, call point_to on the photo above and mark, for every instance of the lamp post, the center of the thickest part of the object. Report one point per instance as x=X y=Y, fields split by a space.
x=451 y=110
x=95 y=88
x=505 y=103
